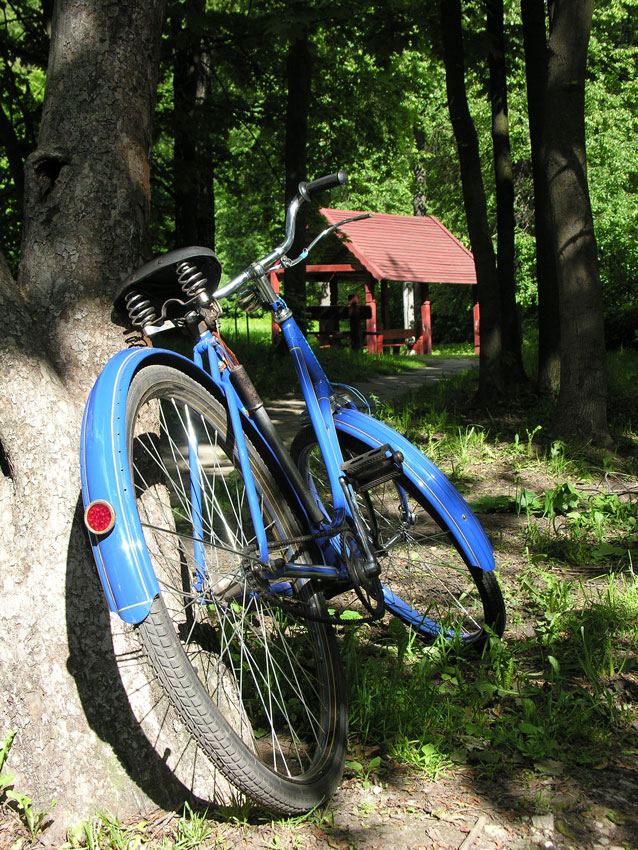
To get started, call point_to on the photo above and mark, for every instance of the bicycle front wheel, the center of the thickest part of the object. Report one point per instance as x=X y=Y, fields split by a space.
x=427 y=582
x=259 y=688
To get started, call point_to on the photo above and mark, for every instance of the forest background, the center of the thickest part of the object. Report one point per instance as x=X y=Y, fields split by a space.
x=255 y=96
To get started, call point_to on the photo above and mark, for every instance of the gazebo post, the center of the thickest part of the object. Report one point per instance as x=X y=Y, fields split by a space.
x=372 y=342
x=423 y=322
x=477 y=321
x=426 y=319
x=385 y=311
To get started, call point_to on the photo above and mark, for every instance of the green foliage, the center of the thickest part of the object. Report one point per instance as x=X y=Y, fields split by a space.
x=611 y=94
x=396 y=141
x=23 y=58
x=6 y=779
x=105 y=832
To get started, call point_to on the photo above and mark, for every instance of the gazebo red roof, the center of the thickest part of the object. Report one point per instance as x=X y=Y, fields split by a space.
x=405 y=248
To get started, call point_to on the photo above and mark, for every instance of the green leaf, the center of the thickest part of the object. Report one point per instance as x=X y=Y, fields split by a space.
x=6 y=779
x=350 y=615
x=6 y=746
x=564 y=497
x=528 y=501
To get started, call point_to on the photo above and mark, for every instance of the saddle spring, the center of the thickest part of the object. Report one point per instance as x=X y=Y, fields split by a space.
x=140 y=310
x=191 y=280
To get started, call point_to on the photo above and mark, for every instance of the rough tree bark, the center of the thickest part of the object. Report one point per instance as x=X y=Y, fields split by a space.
x=490 y=377
x=582 y=400
x=513 y=371
x=533 y=14
x=87 y=208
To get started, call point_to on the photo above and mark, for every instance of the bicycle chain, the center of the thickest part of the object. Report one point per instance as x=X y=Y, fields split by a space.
x=299 y=610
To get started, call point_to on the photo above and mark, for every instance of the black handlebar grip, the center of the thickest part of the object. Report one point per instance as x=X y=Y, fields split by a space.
x=330 y=181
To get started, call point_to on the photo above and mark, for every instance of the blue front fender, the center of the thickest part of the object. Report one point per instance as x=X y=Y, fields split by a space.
x=444 y=499
x=122 y=559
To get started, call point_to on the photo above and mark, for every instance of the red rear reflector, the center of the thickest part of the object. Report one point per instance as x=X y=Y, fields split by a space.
x=99 y=517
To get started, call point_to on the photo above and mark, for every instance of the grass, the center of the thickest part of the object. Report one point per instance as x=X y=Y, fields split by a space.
x=444 y=418
x=528 y=699
x=563 y=684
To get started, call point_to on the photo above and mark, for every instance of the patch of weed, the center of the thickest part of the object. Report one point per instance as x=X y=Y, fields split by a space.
x=32 y=818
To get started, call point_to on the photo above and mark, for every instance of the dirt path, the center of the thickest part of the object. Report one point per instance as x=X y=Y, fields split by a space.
x=459 y=812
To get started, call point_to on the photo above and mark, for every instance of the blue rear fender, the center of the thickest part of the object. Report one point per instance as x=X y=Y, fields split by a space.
x=444 y=499
x=121 y=556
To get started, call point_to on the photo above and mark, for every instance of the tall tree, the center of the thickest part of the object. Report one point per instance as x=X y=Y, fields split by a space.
x=299 y=80
x=535 y=40
x=193 y=177
x=86 y=217
x=512 y=361
x=583 y=381
x=490 y=375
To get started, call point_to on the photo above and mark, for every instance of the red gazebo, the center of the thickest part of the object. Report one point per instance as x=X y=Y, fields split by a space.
x=414 y=250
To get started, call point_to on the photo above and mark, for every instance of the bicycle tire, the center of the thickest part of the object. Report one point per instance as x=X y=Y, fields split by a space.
x=428 y=582
x=261 y=692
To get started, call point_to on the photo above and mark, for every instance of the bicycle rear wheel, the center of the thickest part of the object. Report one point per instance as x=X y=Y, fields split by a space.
x=427 y=582
x=259 y=689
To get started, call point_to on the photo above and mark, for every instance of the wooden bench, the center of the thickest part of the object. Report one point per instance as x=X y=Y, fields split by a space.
x=397 y=337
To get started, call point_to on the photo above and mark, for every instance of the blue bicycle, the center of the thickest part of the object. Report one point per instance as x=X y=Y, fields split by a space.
x=233 y=558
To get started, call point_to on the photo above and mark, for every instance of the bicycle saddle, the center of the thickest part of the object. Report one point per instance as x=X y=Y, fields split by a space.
x=167 y=287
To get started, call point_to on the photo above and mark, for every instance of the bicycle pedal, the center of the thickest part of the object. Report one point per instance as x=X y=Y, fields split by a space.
x=373 y=467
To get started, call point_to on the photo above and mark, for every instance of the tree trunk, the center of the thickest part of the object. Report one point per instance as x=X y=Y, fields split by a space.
x=420 y=197
x=193 y=167
x=535 y=40
x=511 y=358
x=299 y=75
x=87 y=208
x=583 y=379
x=490 y=378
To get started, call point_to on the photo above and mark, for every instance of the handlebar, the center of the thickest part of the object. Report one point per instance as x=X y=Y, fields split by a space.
x=322 y=184
x=304 y=195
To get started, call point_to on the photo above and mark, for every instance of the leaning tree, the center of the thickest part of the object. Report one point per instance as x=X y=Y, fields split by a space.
x=78 y=738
